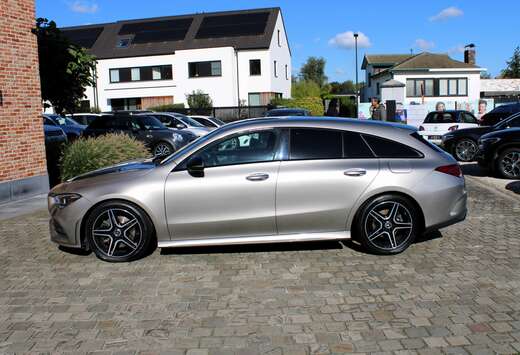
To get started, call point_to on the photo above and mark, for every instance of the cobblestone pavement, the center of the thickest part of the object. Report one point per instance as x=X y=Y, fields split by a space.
x=458 y=292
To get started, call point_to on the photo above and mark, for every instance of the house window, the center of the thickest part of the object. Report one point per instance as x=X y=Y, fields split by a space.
x=279 y=43
x=453 y=87
x=286 y=72
x=275 y=69
x=254 y=99
x=419 y=87
x=123 y=75
x=255 y=67
x=205 y=69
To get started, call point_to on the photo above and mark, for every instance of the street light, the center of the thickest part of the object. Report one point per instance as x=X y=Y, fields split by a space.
x=357 y=88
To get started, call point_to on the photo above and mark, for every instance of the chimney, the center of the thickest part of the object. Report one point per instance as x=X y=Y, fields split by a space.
x=469 y=54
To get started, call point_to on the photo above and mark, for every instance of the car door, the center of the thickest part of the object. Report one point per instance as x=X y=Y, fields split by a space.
x=325 y=174
x=235 y=197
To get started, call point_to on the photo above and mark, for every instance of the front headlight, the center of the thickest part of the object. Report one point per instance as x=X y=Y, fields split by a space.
x=490 y=140
x=62 y=200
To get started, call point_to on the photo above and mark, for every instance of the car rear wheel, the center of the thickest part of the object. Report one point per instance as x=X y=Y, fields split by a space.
x=465 y=150
x=162 y=149
x=509 y=163
x=118 y=231
x=387 y=224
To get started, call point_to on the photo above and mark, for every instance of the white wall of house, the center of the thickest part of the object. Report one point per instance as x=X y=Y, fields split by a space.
x=279 y=52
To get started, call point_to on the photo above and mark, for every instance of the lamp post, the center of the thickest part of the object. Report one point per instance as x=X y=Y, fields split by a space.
x=357 y=88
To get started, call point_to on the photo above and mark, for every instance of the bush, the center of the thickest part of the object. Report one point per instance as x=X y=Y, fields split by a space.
x=303 y=88
x=167 y=107
x=198 y=99
x=88 y=154
x=313 y=104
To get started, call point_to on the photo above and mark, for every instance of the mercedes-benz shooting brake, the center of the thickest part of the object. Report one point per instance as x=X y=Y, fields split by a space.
x=265 y=181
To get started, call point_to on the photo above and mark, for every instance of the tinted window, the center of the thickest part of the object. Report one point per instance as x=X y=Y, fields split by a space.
x=468 y=118
x=440 y=117
x=354 y=147
x=149 y=122
x=385 y=148
x=48 y=121
x=252 y=147
x=100 y=123
x=315 y=144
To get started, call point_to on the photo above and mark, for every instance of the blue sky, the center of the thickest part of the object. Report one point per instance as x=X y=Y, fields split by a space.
x=322 y=28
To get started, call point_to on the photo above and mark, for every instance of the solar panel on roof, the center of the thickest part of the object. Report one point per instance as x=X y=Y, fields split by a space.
x=233 y=25
x=157 y=31
x=85 y=37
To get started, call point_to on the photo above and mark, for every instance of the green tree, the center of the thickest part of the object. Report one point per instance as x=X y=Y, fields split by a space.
x=485 y=75
x=512 y=71
x=198 y=99
x=346 y=87
x=314 y=70
x=65 y=69
x=305 y=88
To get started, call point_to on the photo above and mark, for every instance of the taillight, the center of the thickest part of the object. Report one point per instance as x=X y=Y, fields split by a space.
x=453 y=128
x=453 y=169
x=421 y=128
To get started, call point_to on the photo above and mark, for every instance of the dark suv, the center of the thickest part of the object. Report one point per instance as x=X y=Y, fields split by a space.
x=149 y=130
x=500 y=152
x=462 y=143
x=499 y=113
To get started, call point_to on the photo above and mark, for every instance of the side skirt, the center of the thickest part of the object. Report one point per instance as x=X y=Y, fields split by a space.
x=264 y=239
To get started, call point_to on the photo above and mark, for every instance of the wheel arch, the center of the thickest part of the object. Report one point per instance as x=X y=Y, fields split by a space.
x=83 y=237
x=362 y=204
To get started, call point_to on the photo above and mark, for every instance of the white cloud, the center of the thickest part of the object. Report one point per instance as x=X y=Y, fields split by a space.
x=456 y=50
x=83 y=7
x=346 y=40
x=447 y=13
x=423 y=44
x=339 y=71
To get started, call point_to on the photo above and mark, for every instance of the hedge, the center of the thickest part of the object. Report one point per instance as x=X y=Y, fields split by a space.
x=313 y=104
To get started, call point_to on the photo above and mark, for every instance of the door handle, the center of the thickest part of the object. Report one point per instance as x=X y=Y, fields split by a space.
x=257 y=177
x=355 y=172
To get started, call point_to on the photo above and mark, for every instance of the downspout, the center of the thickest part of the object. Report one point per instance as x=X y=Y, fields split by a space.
x=96 y=98
x=238 y=81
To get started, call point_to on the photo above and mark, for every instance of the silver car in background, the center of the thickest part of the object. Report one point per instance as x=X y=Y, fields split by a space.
x=265 y=181
x=182 y=122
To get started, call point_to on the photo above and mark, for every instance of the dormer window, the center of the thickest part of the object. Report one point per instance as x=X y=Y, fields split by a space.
x=123 y=43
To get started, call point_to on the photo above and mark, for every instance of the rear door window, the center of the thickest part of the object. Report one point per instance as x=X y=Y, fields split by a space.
x=440 y=117
x=354 y=147
x=468 y=118
x=386 y=148
x=309 y=143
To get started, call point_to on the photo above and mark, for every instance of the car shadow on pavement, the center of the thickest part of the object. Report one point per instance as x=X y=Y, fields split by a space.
x=514 y=187
x=254 y=248
x=74 y=251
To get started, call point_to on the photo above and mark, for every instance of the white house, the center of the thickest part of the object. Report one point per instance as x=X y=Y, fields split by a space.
x=421 y=78
x=236 y=57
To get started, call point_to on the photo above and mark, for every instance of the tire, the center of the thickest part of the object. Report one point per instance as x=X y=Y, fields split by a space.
x=162 y=149
x=387 y=224
x=118 y=231
x=508 y=163
x=465 y=150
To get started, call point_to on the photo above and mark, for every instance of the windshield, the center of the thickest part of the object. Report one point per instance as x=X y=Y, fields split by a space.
x=510 y=121
x=150 y=123
x=189 y=121
x=63 y=121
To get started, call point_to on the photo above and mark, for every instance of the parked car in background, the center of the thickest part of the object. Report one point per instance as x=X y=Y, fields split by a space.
x=281 y=112
x=438 y=123
x=267 y=181
x=72 y=129
x=84 y=118
x=179 y=121
x=147 y=129
x=208 y=121
x=463 y=143
x=500 y=152
x=187 y=135
x=499 y=113
x=125 y=112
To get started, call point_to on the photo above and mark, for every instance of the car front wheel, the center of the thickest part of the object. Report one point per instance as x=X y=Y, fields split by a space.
x=162 y=149
x=387 y=224
x=465 y=150
x=118 y=231
x=509 y=163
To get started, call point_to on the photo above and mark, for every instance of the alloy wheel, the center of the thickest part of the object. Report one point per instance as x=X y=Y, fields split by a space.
x=117 y=232
x=388 y=225
x=510 y=164
x=465 y=150
x=162 y=149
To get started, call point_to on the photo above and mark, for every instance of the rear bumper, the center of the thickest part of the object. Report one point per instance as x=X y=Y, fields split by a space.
x=457 y=214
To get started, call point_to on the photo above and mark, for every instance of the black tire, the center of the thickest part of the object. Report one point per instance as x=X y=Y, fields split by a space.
x=465 y=149
x=508 y=163
x=162 y=149
x=377 y=221
x=126 y=239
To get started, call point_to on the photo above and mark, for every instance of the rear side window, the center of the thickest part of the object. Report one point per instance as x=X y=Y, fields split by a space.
x=468 y=118
x=354 y=147
x=315 y=144
x=101 y=122
x=386 y=148
x=440 y=117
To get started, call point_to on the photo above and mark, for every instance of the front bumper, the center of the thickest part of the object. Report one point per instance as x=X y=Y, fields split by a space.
x=65 y=223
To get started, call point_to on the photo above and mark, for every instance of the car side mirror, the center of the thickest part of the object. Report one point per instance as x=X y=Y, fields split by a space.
x=180 y=126
x=195 y=167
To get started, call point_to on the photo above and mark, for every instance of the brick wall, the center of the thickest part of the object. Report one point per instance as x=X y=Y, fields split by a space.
x=22 y=148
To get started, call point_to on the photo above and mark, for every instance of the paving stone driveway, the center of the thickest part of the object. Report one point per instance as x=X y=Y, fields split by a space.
x=456 y=293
